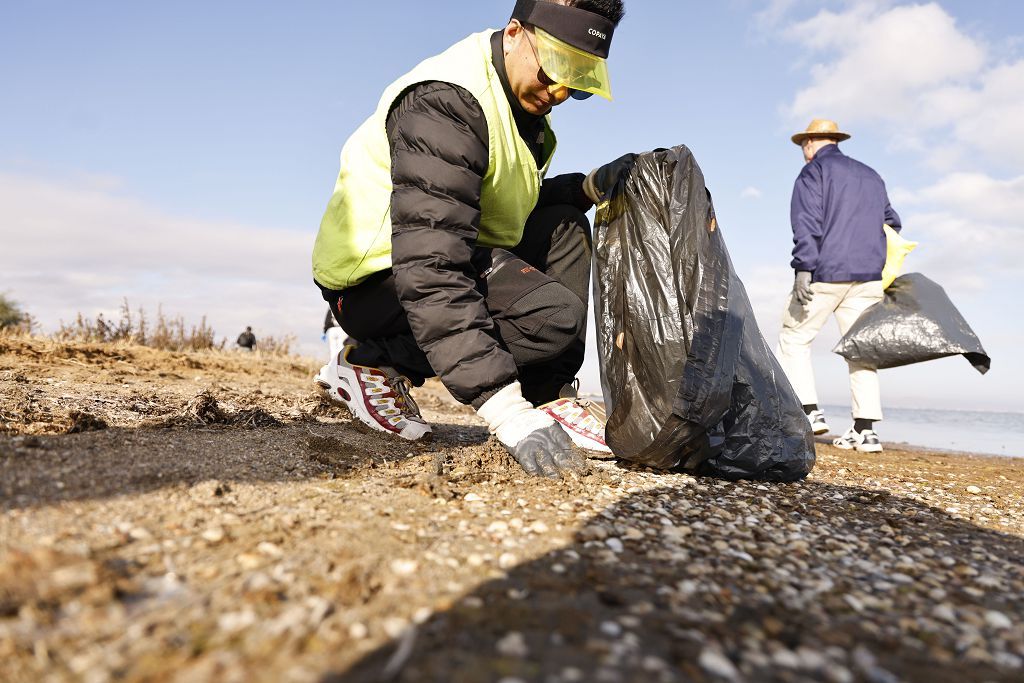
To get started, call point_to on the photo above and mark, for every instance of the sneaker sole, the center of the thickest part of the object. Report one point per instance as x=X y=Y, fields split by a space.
x=585 y=442
x=819 y=430
x=873 y=448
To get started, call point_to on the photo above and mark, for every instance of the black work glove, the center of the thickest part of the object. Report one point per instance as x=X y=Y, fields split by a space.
x=602 y=179
x=565 y=189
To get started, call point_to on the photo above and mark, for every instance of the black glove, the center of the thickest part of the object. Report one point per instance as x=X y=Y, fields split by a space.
x=601 y=180
x=802 y=287
x=565 y=189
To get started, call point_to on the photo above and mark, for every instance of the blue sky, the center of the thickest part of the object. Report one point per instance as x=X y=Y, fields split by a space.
x=182 y=153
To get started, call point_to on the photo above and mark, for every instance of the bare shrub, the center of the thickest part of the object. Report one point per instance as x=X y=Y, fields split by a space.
x=276 y=346
x=13 y=318
x=166 y=333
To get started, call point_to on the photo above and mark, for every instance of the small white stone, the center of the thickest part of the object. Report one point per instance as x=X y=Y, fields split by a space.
x=615 y=545
x=269 y=549
x=973 y=489
x=513 y=645
x=539 y=527
x=472 y=498
x=507 y=561
x=394 y=626
x=571 y=674
x=498 y=527
x=611 y=629
x=236 y=621
x=358 y=631
x=404 y=567
x=717 y=664
x=213 y=535
x=997 y=620
x=787 y=659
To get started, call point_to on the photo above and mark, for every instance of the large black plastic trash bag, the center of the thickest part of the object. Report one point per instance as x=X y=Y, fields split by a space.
x=915 y=322
x=688 y=379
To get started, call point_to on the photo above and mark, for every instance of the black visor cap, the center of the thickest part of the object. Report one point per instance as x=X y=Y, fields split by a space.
x=584 y=30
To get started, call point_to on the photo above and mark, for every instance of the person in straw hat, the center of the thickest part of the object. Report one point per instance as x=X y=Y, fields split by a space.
x=839 y=206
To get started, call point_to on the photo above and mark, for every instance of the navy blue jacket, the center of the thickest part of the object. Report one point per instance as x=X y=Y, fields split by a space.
x=839 y=206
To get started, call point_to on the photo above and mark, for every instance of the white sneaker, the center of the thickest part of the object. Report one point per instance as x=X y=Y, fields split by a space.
x=865 y=442
x=377 y=397
x=817 y=420
x=582 y=419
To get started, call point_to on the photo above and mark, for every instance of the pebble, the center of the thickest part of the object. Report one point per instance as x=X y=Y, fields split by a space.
x=615 y=545
x=787 y=659
x=213 y=535
x=539 y=527
x=358 y=631
x=394 y=626
x=997 y=620
x=507 y=561
x=717 y=664
x=269 y=549
x=513 y=644
x=611 y=629
x=404 y=567
x=236 y=621
x=974 y=489
x=593 y=532
x=472 y=497
x=249 y=560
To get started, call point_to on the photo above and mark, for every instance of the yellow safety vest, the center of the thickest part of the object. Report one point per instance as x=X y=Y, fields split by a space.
x=355 y=234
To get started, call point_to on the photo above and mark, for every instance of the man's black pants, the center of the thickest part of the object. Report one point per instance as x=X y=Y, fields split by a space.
x=537 y=295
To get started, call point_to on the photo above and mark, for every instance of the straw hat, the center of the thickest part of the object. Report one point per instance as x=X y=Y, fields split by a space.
x=821 y=128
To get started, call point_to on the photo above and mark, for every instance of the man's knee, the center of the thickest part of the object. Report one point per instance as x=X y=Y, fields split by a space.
x=564 y=323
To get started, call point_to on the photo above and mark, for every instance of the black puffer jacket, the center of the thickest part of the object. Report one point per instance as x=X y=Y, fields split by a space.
x=439 y=155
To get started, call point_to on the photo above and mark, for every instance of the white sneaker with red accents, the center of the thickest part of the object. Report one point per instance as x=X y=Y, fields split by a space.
x=582 y=419
x=377 y=397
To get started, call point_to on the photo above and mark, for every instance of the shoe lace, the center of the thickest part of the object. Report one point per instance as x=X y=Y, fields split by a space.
x=572 y=391
x=401 y=386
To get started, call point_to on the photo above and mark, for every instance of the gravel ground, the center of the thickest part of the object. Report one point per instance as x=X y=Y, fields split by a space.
x=207 y=517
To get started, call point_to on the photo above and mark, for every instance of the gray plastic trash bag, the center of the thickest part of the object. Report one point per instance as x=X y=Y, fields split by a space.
x=688 y=380
x=915 y=322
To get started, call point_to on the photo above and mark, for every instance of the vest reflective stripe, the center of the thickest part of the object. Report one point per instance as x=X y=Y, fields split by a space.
x=354 y=240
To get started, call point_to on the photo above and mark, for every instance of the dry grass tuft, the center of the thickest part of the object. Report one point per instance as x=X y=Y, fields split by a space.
x=164 y=332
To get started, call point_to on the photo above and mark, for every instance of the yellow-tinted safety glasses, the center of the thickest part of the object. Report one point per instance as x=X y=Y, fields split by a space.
x=572 y=67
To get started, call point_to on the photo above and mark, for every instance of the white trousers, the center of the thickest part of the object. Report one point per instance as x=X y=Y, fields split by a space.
x=801 y=324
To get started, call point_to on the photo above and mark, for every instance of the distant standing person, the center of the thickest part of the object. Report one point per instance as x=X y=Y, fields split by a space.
x=247 y=340
x=838 y=209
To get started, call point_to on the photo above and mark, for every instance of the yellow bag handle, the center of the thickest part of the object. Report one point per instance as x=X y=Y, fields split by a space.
x=896 y=251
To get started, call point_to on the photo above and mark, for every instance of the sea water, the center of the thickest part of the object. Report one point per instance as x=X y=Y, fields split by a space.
x=951 y=430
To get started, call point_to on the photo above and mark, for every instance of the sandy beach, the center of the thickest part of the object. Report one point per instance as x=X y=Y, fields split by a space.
x=209 y=517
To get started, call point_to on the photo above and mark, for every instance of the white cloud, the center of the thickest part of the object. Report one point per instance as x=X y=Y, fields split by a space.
x=751 y=193
x=914 y=70
x=74 y=247
x=979 y=197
